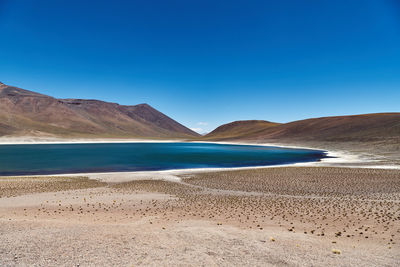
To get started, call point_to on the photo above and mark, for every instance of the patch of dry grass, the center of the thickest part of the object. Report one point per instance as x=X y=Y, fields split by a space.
x=333 y=203
x=304 y=181
x=14 y=186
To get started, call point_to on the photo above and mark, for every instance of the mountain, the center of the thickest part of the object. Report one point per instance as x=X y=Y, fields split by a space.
x=366 y=127
x=26 y=113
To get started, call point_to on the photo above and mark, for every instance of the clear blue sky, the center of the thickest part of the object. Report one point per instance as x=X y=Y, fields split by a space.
x=205 y=63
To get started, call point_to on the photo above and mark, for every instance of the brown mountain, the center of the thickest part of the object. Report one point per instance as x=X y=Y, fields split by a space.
x=24 y=112
x=367 y=127
x=240 y=129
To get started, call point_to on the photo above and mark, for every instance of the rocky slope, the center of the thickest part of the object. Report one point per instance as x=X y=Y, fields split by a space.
x=26 y=113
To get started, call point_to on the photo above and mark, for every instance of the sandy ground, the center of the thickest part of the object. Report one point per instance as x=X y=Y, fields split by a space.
x=288 y=216
x=356 y=153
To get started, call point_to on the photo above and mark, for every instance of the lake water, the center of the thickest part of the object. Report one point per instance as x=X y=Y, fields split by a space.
x=114 y=157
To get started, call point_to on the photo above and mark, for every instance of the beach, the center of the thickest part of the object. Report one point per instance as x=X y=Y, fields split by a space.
x=279 y=216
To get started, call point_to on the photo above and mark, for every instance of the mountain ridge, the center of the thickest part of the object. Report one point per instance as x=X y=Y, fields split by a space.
x=333 y=128
x=24 y=112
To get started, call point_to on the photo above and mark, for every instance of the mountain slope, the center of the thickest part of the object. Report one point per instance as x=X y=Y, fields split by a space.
x=23 y=112
x=339 y=128
x=239 y=129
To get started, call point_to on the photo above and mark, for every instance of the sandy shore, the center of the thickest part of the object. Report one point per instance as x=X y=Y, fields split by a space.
x=288 y=216
x=26 y=140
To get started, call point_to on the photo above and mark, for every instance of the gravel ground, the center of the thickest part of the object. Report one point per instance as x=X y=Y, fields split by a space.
x=295 y=216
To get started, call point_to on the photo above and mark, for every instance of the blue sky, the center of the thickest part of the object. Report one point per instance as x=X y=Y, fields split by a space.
x=205 y=63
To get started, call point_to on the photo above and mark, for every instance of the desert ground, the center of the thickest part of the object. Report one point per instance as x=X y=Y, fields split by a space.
x=281 y=216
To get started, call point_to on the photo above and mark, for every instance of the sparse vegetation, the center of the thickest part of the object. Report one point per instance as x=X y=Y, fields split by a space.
x=14 y=186
x=334 y=206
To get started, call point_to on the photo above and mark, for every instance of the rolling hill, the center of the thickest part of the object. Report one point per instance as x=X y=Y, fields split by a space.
x=240 y=129
x=26 y=113
x=366 y=127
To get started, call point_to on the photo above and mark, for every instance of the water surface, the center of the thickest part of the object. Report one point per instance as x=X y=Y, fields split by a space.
x=117 y=157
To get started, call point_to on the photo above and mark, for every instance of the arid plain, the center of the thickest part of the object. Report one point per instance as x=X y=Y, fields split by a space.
x=281 y=216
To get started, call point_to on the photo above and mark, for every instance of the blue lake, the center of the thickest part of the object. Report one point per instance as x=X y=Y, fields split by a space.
x=114 y=157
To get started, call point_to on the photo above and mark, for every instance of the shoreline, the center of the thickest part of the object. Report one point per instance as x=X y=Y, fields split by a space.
x=335 y=158
x=331 y=212
x=42 y=141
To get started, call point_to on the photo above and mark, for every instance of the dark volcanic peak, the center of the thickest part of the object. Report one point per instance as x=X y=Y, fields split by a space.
x=24 y=112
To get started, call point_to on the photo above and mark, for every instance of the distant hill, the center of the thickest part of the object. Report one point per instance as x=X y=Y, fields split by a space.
x=240 y=129
x=26 y=113
x=365 y=127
